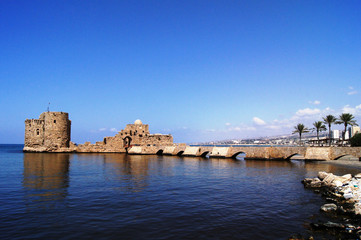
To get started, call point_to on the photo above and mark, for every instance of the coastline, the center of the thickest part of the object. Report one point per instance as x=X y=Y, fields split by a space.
x=354 y=164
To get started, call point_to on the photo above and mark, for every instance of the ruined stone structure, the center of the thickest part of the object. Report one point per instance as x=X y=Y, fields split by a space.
x=136 y=134
x=51 y=133
x=48 y=133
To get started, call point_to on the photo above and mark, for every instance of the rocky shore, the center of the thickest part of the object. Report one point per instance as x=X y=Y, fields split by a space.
x=343 y=196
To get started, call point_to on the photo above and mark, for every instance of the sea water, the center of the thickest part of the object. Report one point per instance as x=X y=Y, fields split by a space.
x=119 y=196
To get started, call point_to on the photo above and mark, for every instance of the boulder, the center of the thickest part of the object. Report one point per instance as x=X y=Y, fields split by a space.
x=358 y=176
x=348 y=195
x=329 y=207
x=328 y=179
x=316 y=184
x=347 y=177
x=323 y=175
x=333 y=225
x=307 y=180
x=357 y=208
x=312 y=182
x=337 y=183
x=342 y=179
x=327 y=225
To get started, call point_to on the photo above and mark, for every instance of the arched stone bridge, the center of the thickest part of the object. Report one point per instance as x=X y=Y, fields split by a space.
x=268 y=153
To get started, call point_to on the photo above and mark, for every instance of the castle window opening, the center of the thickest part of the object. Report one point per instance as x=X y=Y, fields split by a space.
x=54 y=121
x=37 y=132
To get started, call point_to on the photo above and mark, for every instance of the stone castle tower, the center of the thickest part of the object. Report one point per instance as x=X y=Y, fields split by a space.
x=50 y=131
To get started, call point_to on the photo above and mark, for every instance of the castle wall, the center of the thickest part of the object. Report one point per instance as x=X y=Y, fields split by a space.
x=34 y=133
x=158 y=139
x=138 y=135
x=57 y=129
x=50 y=132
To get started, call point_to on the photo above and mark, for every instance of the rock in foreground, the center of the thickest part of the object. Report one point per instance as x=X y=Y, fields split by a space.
x=345 y=194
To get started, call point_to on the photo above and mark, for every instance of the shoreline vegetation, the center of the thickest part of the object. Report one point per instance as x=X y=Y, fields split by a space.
x=347 y=119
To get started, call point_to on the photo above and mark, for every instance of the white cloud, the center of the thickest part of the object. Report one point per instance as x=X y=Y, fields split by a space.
x=241 y=128
x=316 y=102
x=250 y=129
x=353 y=110
x=258 y=121
x=259 y=127
x=102 y=129
x=113 y=130
x=274 y=127
x=352 y=92
x=348 y=109
x=307 y=112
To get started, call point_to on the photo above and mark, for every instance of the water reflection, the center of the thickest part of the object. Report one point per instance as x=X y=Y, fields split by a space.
x=127 y=173
x=132 y=172
x=46 y=178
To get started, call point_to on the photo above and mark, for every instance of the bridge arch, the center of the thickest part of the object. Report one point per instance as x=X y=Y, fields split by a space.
x=239 y=154
x=160 y=152
x=346 y=157
x=205 y=154
x=295 y=156
x=180 y=153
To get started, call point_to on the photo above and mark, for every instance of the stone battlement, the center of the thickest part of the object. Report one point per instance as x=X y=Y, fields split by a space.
x=51 y=133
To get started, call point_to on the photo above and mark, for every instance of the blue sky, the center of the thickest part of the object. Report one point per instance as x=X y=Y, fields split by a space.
x=200 y=70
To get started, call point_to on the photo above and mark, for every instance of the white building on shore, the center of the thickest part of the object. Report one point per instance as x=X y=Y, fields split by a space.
x=335 y=134
x=353 y=130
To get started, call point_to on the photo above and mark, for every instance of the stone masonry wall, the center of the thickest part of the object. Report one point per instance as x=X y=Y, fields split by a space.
x=57 y=129
x=136 y=134
x=50 y=132
x=34 y=133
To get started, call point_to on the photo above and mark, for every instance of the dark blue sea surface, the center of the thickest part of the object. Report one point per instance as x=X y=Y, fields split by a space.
x=118 y=196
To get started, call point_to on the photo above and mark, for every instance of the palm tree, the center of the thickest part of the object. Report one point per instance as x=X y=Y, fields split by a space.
x=319 y=127
x=329 y=119
x=300 y=128
x=346 y=119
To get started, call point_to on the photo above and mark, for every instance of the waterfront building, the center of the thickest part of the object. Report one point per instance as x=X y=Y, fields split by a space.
x=335 y=134
x=353 y=130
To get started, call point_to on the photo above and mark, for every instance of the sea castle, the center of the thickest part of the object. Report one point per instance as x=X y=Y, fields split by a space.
x=51 y=133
